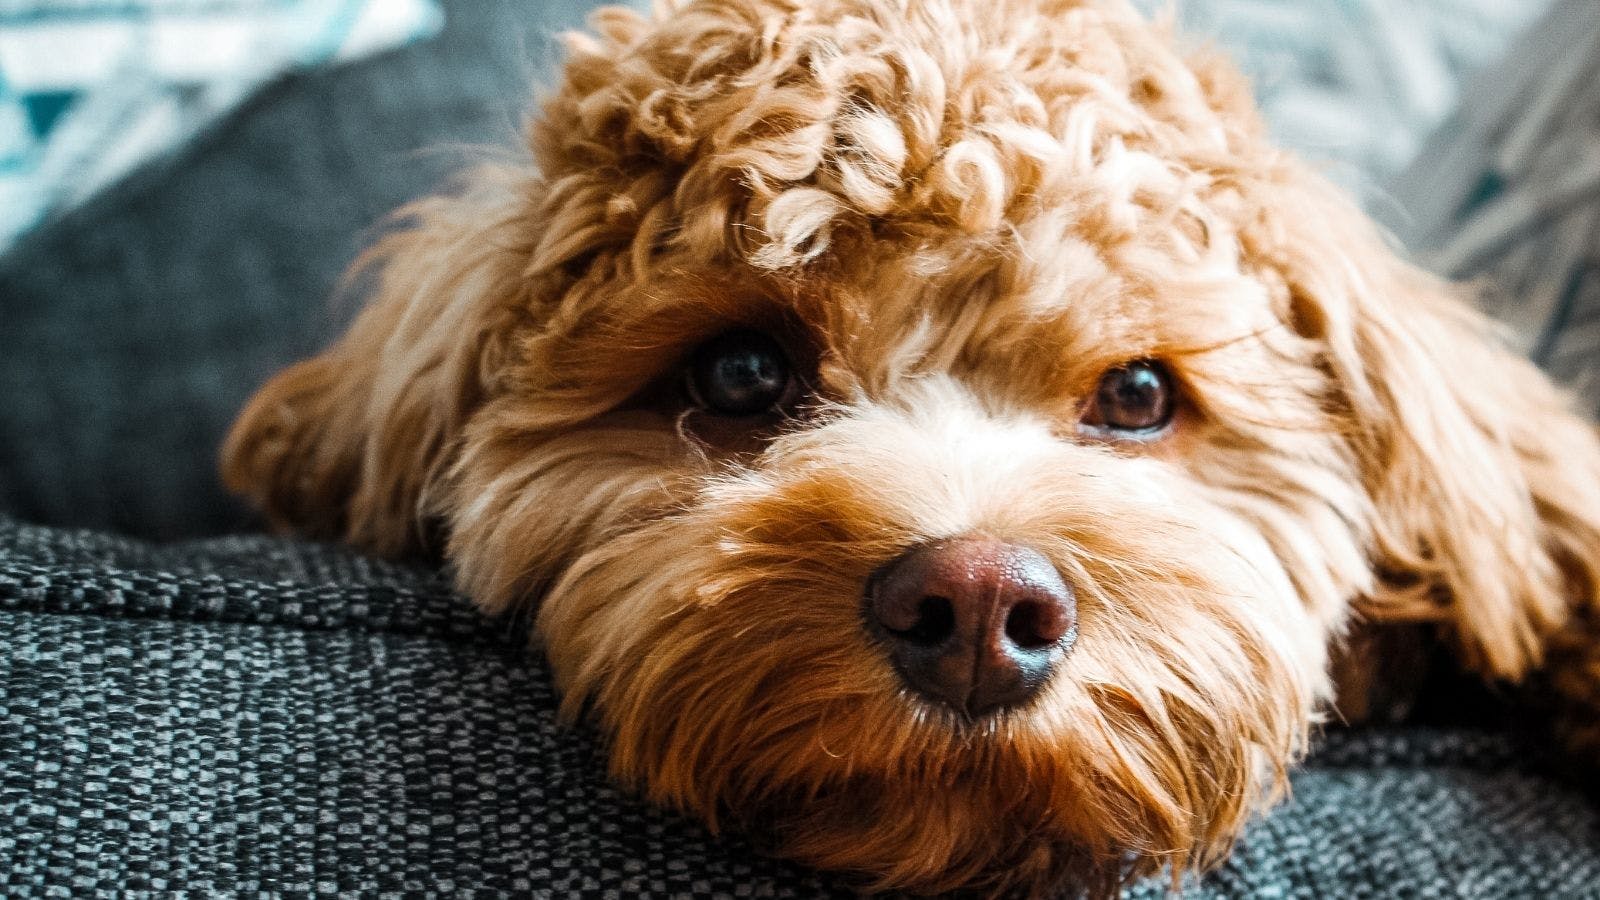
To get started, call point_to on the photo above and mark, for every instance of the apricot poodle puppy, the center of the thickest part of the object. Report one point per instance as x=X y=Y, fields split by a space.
x=943 y=438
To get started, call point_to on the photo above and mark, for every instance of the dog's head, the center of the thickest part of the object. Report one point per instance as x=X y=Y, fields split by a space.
x=947 y=435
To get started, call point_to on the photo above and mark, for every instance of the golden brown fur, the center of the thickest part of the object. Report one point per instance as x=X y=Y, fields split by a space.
x=965 y=215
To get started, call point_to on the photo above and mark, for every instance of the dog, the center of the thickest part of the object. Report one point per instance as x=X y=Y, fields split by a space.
x=945 y=439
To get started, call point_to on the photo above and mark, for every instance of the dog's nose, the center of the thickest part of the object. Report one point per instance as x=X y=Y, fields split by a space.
x=972 y=622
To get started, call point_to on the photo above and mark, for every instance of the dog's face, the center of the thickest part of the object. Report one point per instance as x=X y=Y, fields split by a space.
x=946 y=438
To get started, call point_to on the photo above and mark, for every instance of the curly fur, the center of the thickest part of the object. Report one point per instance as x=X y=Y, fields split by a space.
x=965 y=215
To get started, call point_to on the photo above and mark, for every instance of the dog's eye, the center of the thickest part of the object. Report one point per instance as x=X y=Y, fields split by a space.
x=740 y=373
x=1133 y=400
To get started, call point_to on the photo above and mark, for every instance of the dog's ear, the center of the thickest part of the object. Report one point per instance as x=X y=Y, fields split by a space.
x=1484 y=486
x=349 y=444
x=358 y=442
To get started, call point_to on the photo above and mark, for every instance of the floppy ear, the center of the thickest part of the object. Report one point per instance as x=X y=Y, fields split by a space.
x=349 y=444
x=1484 y=486
x=358 y=443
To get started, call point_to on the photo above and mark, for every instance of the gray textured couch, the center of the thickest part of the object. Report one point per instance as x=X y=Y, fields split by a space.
x=249 y=714
x=243 y=714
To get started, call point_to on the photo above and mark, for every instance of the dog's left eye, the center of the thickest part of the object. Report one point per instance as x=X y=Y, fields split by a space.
x=1135 y=400
x=740 y=373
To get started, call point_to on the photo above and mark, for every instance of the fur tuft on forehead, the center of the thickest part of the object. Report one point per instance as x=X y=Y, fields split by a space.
x=771 y=130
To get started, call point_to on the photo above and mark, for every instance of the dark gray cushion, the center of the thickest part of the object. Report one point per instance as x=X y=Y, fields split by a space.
x=135 y=327
x=253 y=714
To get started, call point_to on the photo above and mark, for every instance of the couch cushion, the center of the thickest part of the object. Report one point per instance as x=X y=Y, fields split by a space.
x=258 y=714
x=135 y=326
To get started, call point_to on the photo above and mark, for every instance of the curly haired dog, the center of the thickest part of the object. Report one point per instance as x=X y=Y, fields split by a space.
x=944 y=438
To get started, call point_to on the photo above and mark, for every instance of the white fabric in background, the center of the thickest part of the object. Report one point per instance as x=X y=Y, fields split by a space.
x=1357 y=84
x=91 y=88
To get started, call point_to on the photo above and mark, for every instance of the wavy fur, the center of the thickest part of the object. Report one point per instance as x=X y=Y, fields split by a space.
x=958 y=217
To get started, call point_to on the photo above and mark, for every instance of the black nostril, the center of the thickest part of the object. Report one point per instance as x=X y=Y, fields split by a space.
x=936 y=621
x=1025 y=627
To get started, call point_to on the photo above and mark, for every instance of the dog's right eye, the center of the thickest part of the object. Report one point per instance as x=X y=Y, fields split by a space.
x=739 y=374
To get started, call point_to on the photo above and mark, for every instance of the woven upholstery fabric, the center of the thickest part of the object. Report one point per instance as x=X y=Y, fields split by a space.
x=256 y=714
x=133 y=328
x=250 y=714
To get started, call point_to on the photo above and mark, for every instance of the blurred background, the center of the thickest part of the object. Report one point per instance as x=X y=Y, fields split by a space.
x=182 y=183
